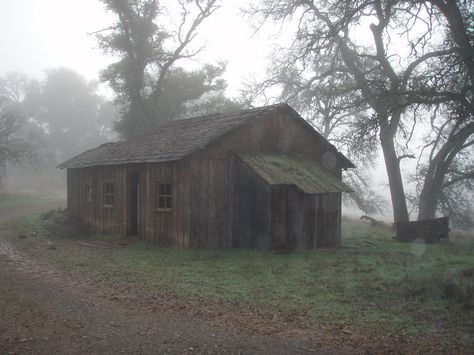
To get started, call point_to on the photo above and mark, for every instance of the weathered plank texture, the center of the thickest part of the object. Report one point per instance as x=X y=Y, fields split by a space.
x=217 y=201
x=427 y=231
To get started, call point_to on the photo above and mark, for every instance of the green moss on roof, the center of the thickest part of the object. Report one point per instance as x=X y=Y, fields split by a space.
x=283 y=169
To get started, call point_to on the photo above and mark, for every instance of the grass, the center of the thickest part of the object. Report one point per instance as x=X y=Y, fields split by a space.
x=372 y=281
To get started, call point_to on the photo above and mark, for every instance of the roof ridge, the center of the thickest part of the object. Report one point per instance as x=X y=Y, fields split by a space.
x=177 y=138
x=208 y=117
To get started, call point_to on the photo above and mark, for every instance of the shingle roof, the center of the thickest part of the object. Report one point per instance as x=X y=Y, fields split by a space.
x=174 y=140
x=285 y=169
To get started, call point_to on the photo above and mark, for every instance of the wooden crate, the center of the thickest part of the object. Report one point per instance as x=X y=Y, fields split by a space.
x=429 y=231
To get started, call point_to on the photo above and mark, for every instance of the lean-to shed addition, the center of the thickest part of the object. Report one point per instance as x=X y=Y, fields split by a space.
x=259 y=178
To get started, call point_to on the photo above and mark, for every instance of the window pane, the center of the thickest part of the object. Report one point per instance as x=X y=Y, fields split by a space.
x=89 y=193
x=108 y=194
x=163 y=195
x=162 y=202
x=109 y=188
x=162 y=189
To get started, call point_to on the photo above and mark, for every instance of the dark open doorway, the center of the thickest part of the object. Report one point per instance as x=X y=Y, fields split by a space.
x=134 y=206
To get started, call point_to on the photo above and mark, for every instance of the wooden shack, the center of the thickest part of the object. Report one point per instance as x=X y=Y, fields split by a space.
x=259 y=178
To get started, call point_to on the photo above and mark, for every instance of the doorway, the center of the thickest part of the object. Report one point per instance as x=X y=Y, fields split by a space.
x=292 y=218
x=134 y=206
x=279 y=217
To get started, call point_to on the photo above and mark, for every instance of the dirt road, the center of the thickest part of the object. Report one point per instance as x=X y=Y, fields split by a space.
x=44 y=311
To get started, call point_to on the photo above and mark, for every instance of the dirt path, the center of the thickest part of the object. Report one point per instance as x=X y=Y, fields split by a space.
x=44 y=311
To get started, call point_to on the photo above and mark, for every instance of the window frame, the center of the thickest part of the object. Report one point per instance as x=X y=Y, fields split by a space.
x=106 y=194
x=166 y=196
x=89 y=193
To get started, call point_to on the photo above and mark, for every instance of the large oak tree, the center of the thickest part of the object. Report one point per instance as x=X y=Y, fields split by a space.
x=394 y=62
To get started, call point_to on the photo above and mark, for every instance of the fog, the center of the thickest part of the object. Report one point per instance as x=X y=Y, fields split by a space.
x=255 y=176
x=42 y=36
x=38 y=36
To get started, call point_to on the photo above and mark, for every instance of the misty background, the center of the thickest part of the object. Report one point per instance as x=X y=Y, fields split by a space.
x=66 y=87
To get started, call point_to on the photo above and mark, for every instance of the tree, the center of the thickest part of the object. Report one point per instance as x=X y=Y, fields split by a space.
x=70 y=112
x=449 y=170
x=447 y=173
x=149 y=87
x=185 y=93
x=330 y=105
x=18 y=141
x=389 y=84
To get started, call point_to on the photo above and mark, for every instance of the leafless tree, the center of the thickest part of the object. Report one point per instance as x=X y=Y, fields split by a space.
x=361 y=40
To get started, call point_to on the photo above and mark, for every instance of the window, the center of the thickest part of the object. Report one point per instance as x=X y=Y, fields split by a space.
x=163 y=196
x=89 y=193
x=108 y=194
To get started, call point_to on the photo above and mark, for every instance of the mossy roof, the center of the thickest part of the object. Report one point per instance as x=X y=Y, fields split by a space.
x=284 y=169
x=180 y=138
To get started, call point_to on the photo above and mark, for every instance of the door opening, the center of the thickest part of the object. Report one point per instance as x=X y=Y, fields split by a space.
x=279 y=217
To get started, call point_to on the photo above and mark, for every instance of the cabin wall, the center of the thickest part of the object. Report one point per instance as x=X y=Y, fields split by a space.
x=276 y=132
x=251 y=209
x=200 y=212
x=231 y=206
x=103 y=219
x=328 y=219
x=301 y=221
x=281 y=217
x=217 y=202
x=209 y=202
x=158 y=225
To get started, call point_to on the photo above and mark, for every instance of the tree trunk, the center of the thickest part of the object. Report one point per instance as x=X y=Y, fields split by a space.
x=392 y=164
x=428 y=200
x=438 y=168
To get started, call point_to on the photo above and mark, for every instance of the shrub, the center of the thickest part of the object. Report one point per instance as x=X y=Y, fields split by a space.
x=58 y=224
x=457 y=286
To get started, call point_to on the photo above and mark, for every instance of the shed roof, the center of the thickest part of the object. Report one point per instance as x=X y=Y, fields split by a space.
x=179 y=138
x=284 y=169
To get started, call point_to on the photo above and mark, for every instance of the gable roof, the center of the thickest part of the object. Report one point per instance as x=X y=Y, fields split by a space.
x=286 y=169
x=178 y=138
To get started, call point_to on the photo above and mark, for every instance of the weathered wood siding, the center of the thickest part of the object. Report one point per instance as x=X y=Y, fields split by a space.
x=281 y=217
x=275 y=132
x=426 y=231
x=328 y=219
x=216 y=201
x=103 y=219
x=251 y=209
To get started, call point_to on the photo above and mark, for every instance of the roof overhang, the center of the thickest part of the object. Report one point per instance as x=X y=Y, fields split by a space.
x=284 y=169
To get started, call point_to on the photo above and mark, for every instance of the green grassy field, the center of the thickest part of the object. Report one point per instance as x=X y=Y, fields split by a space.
x=372 y=281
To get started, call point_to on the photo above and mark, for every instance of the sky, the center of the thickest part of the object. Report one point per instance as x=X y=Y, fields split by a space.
x=41 y=34
x=37 y=35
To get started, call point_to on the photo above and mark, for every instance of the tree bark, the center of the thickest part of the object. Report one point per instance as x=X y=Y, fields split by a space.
x=392 y=165
x=429 y=196
x=438 y=168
